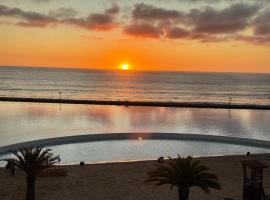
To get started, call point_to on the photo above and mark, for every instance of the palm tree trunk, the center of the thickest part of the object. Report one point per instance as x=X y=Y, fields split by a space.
x=30 y=188
x=183 y=193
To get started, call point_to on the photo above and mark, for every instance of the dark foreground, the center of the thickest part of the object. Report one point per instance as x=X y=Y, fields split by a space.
x=124 y=181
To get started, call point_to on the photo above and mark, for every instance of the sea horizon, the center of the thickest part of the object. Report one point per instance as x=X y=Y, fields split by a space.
x=102 y=85
x=88 y=68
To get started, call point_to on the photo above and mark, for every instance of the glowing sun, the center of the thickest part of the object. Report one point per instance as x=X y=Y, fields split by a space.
x=125 y=66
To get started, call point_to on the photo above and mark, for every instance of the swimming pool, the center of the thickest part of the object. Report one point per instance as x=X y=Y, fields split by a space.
x=115 y=147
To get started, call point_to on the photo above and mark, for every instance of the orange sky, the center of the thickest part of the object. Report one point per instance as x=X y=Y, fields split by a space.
x=105 y=47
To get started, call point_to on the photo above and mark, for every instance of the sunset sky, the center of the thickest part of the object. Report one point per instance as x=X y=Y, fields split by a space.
x=181 y=35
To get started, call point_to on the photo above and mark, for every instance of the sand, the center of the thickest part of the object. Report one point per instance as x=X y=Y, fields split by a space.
x=124 y=181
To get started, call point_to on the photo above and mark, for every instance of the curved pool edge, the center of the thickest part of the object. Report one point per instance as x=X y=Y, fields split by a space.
x=137 y=136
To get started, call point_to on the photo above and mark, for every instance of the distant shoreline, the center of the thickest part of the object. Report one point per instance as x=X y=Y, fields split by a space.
x=139 y=103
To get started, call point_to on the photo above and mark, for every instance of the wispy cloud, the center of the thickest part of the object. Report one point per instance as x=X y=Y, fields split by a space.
x=93 y=22
x=63 y=13
x=143 y=30
x=29 y=18
x=96 y=21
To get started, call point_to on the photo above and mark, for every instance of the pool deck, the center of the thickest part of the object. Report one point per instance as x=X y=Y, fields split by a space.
x=124 y=181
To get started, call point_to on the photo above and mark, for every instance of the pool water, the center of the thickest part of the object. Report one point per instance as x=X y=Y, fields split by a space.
x=22 y=122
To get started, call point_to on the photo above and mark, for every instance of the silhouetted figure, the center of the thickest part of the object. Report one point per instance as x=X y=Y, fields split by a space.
x=81 y=163
x=11 y=167
x=60 y=95
x=161 y=160
x=230 y=101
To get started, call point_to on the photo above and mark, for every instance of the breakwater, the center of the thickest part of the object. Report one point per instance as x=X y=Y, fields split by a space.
x=138 y=103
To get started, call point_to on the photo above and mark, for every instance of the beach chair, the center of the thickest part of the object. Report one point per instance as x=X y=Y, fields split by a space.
x=57 y=171
x=53 y=172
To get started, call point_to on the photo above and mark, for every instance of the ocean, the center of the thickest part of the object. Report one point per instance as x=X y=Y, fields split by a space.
x=135 y=86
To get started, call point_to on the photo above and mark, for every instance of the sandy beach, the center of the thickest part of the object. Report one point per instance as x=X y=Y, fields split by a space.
x=124 y=181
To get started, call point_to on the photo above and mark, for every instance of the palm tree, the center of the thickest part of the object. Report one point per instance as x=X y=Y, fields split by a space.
x=32 y=160
x=183 y=173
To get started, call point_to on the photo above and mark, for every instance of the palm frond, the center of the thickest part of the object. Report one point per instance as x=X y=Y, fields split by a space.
x=183 y=173
x=33 y=159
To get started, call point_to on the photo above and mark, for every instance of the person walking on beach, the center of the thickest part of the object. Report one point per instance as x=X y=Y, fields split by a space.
x=12 y=168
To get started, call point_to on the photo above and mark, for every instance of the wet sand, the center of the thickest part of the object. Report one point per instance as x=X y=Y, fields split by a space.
x=124 y=181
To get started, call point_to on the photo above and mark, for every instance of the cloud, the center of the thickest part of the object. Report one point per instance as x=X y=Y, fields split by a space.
x=64 y=16
x=31 y=18
x=31 y=24
x=176 y=33
x=114 y=9
x=143 y=30
x=207 y=24
x=149 y=12
x=249 y=22
x=93 y=21
x=257 y=39
x=63 y=13
x=97 y=21
x=153 y=22
x=228 y=20
x=262 y=24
